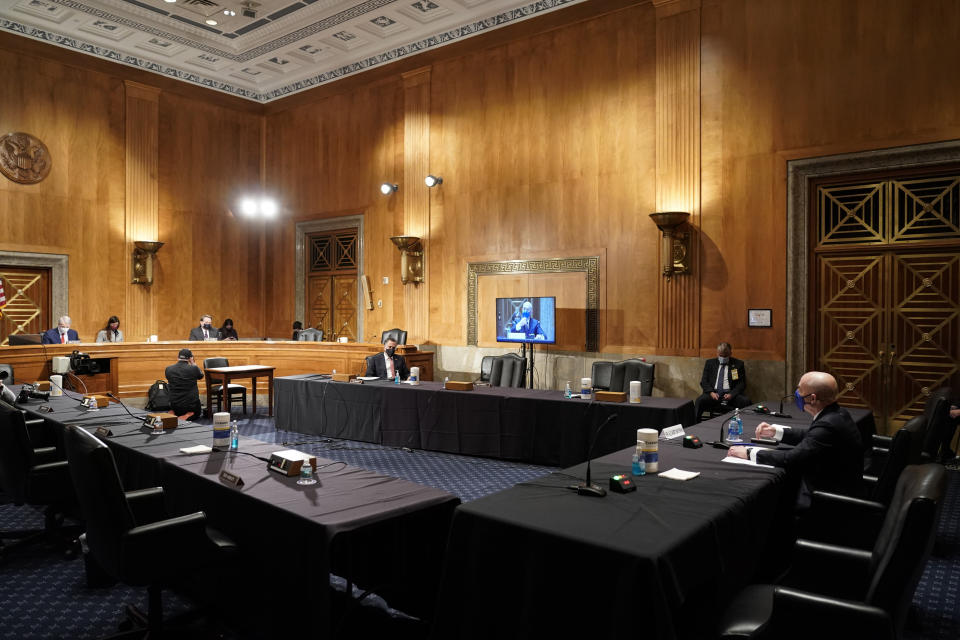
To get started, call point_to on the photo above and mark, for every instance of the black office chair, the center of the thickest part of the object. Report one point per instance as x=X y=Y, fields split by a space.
x=129 y=534
x=38 y=476
x=233 y=390
x=9 y=369
x=310 y=335
x=937 y=413
x=397 y=334
x=639 y=370
x=486 y=367
x=509 y=370
x=602 y=374
x=837 y=592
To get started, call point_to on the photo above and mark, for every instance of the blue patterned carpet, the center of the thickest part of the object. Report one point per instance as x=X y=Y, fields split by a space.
x=43 y=596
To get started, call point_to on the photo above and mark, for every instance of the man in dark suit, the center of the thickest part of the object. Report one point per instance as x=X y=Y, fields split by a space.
x=60 y=334
x=389 y=363
x=723 y=381
x=182 y=379
x=206 y=330
x=828 y=454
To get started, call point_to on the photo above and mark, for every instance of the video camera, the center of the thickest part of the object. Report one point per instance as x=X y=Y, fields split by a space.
x=83 y=365
x=28 y=391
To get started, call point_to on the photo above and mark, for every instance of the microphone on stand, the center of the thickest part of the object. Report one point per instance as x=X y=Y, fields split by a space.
x=779 y=412
x=587 y=488
x=720 y=444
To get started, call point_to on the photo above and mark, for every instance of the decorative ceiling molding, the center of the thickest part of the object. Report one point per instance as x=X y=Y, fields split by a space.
x=287 y=47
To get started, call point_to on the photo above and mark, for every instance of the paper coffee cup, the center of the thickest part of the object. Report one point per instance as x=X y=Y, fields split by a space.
x=635 y=391
x=56 y=385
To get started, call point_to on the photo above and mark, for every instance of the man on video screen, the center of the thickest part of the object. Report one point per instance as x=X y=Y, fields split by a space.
x=529 y=325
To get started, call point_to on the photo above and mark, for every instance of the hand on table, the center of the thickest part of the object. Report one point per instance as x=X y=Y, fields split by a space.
x=738 y=452
x=765 y=430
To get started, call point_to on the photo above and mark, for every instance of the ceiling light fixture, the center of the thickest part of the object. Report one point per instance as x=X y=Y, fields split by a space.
x=211 y=22
x=432 y=180
x=229 y=12
x=388 y=187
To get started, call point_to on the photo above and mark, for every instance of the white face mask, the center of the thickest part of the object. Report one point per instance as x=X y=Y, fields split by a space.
x=723 y=359
x=64 y=329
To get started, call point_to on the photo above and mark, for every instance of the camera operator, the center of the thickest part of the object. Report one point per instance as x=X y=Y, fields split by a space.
x=5 y=393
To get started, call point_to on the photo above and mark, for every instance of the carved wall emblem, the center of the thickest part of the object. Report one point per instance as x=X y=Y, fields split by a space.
x=23 y=158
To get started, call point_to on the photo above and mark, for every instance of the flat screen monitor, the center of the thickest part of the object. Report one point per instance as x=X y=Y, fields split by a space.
x=527 y=319
x=20 y=339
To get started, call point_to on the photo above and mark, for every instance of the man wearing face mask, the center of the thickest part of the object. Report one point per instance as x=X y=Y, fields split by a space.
x=389 y=364
x=206 y=330
x=528 y=324
x=828 y=454
x=60 y=334
x=723 y=382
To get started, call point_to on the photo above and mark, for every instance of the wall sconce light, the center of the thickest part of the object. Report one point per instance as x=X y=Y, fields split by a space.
x=676 y=244
x=388 y=187
x=254 y=207
x=432 y=180
x=143 y=253
x=411 y=258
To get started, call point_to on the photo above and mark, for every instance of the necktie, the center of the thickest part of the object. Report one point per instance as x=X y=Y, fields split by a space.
x=389 y=367
x=721 y=376
x=63 y=338
x=206 y=334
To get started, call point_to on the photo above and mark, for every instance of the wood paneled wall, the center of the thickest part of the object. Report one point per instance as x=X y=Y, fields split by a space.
x=553 y=138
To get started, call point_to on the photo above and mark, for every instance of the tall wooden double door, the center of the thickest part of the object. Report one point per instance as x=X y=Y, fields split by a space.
x=886 y=301
x=27 y=292
x=332 y=273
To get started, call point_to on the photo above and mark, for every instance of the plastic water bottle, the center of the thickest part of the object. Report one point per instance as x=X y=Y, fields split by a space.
x=735 y=428
x=568 y=392
x=639 y=462
x=396 y=378
x=306 y=473
x=234 y=436
x=446 y=379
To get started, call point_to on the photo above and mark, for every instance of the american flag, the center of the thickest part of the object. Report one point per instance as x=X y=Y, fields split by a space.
x=3 y=298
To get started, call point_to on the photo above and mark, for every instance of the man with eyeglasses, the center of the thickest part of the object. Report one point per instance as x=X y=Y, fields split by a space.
x=828 y=454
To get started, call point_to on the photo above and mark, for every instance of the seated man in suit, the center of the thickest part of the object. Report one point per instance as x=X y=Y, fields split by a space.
x=182 y=379
x=60 y=334
x=723 y=382
x=828 y=454
x=527 y=324
x=206 y=330
x=388 y=365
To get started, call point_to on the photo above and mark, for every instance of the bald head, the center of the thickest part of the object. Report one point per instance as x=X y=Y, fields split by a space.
x=822 y=385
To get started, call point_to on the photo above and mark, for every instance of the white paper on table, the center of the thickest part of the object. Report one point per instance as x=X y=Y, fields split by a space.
x=197 y=450
x=368 y=378
x=733 y=460
x=782 y=426
x=679 y=474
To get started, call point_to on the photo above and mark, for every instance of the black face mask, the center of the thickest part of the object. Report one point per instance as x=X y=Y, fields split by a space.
x=390 y=351
x=208 y=326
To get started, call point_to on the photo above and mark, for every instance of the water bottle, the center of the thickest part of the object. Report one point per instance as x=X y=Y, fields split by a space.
x=396 y=378
x=639 y=462
x=306 y=473
x=735 y=428
x=568 y=392
x=234 y=436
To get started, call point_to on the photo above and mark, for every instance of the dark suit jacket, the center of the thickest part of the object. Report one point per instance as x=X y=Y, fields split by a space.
x=52 y=336
x=377 y=366
x=828 y=454
x=197 y=333
x=709 y=377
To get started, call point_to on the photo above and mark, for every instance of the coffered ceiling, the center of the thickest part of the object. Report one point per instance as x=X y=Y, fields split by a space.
x=260 y=49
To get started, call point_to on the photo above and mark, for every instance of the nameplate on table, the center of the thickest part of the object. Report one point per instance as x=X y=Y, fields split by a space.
x=103 y=432
x=676 y=431
x=231 y=479
x=611 y=396
x=343 y=377
x=458 y=385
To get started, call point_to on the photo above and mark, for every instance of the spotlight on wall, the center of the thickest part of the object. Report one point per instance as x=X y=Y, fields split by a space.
x=251 y=207
x=388 y=187
x=411 y=258
x=432 y=180
x=143 y=253
x=676 y=244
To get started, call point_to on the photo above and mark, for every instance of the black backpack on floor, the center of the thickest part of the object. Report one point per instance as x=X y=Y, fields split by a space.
x=158 y=397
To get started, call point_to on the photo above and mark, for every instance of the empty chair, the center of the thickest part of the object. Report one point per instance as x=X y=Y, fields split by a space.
x=397 y=334
x=837 y=592
x=937 y=413
x=310 y=335
x=509 y=370
x=637 y=369
x=129 y=534
x=233 y=390
x=604 y=374
x=9 y=369
x=33 y=475
x=486 y=367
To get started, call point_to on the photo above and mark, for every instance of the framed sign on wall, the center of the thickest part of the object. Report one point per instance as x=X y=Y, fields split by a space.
x=759 y=317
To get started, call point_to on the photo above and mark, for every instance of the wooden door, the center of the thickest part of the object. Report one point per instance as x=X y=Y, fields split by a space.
x=887 y=290
x=332 y=283
x=27 y=291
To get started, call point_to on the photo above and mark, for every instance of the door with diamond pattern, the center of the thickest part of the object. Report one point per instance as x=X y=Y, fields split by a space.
x=27 y=292
x=332 y=300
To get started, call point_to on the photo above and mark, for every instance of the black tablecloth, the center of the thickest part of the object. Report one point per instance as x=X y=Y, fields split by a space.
x=382 y=532
x=499 y=422
x=538 y=560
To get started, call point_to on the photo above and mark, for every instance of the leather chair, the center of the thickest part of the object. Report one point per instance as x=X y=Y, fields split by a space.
x=31 y=475
x=310 y=335
x=509 y=370
x=837 y=592
x=637 y=369
x=397 y=334
x=937 y=413
x=9 y=369
x=128 y=533
x=486 y=367
x=602 y=373
x=233 y=390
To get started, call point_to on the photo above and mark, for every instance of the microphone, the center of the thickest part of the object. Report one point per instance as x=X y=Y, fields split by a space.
x=779 y=412
x=146 y=421
x=587 y=488
x=720 y=444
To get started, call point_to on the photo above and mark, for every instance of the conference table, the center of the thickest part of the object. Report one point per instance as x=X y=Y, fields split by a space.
x=527 y=425
x=538 y=560
x=377 y=531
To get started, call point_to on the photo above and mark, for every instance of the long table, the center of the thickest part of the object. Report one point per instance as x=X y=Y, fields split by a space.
x=528 y=425
x=538 y=560
x=380 y=532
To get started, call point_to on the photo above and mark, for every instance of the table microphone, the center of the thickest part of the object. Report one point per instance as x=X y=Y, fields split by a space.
x=720 y=444
x=587 y=488
x=779 y=412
